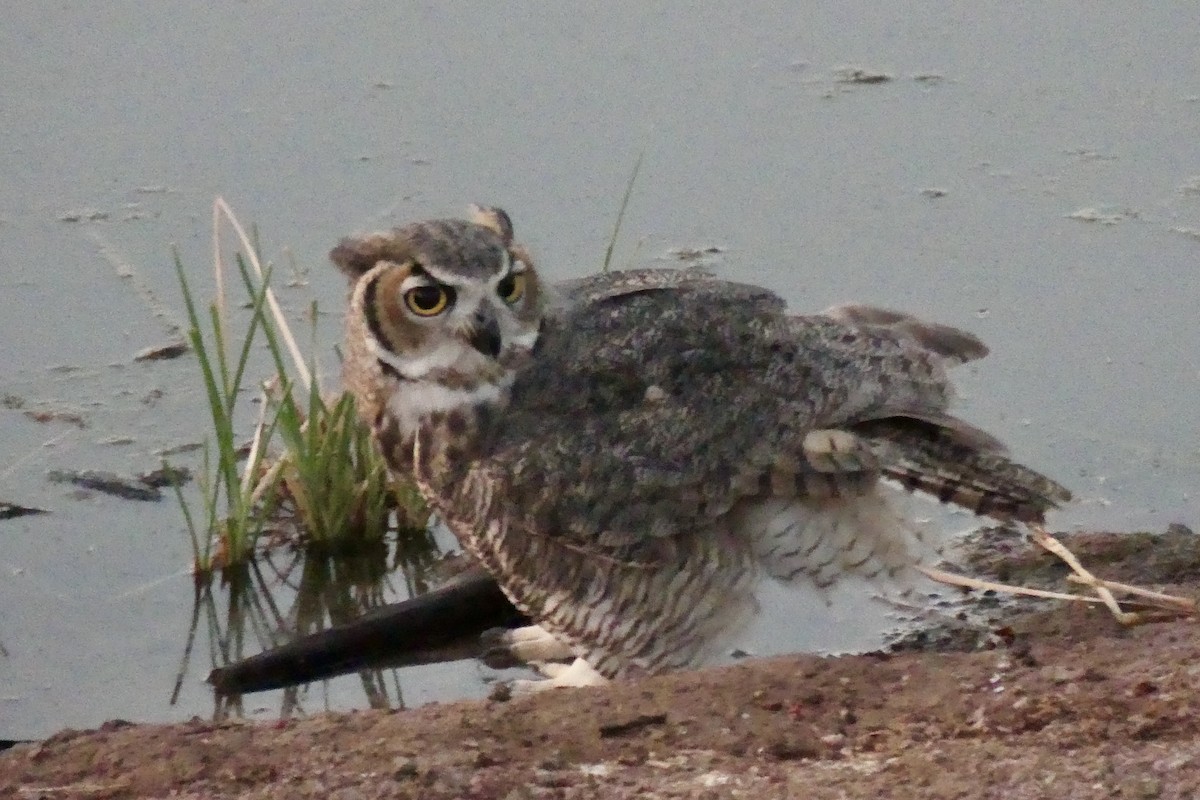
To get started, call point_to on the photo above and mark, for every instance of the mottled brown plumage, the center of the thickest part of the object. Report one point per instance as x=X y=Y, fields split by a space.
x=633 y=454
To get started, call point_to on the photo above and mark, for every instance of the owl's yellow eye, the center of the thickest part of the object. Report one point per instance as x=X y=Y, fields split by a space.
x=512 y=287
x=428 y=301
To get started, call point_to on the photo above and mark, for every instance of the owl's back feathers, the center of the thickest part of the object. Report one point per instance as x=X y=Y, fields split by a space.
x=650 y=411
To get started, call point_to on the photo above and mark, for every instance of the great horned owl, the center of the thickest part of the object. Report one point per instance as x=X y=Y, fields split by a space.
x=635 y=455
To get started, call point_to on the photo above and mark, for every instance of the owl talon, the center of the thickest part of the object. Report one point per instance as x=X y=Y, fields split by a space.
x=507 y=647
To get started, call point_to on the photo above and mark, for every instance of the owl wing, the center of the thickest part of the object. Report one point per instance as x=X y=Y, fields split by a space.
x=650 y=412
x=578 y=295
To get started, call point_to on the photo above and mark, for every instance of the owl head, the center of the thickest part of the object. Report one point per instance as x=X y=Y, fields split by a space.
x=451 y=301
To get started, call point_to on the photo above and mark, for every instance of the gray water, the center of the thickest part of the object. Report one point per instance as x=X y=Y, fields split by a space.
x=1031 y=172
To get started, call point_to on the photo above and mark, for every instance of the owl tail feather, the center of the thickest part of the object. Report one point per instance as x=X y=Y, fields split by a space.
x=955 y=463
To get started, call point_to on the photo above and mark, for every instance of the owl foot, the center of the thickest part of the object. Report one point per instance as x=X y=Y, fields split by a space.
x=559 y=675
x=509 y=647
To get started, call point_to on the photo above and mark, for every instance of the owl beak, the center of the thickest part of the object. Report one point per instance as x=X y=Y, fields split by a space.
x=485 y=335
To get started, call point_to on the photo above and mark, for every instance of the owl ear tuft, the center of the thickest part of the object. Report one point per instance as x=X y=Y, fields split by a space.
x=495 y=218
x=357 y=254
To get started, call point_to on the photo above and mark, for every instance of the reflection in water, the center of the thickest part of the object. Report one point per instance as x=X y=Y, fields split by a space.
x=243 y=610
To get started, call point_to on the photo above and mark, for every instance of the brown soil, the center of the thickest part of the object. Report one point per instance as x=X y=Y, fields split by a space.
x=1068 y=705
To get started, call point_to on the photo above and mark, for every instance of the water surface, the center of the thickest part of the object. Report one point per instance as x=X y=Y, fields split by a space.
x=948 y=191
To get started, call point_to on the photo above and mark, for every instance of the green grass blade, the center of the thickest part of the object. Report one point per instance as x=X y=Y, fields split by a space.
x=612 y=242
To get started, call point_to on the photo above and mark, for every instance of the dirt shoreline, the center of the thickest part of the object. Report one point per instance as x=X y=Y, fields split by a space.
x=1070 y=704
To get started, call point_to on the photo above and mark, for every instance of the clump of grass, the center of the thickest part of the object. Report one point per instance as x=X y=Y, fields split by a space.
x=312 y=473
x=333 y=481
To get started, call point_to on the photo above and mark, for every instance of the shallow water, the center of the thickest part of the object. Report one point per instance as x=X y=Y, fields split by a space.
x=947 y=191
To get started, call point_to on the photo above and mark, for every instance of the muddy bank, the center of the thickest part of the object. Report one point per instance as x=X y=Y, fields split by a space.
x=1066 y=703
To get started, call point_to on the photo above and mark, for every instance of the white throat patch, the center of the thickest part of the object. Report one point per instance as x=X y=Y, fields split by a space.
x=413 y=401
x=444 y=356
